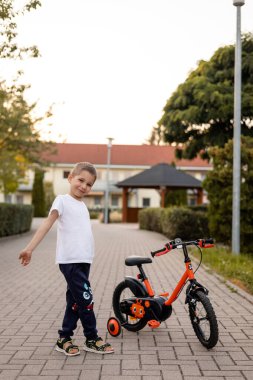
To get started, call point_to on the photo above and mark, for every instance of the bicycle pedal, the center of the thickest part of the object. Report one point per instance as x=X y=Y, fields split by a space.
x=153 y=324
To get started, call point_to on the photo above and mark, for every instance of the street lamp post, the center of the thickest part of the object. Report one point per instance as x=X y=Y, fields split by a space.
x=109 y=146
x=237 y=133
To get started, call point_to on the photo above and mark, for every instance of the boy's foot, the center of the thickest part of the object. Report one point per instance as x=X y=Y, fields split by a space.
x=66 y=346
x=98 y=346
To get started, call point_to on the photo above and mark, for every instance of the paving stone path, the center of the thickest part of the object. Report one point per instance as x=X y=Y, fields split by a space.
x=32 y=301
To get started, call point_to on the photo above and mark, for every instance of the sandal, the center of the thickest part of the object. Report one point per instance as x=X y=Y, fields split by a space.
x=62 y=346
x=98 y=346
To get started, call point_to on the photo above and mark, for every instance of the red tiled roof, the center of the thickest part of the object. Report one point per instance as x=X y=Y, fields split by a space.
x=121 y=155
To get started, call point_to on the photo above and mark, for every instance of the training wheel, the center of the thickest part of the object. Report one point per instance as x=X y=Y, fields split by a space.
x=113 y=326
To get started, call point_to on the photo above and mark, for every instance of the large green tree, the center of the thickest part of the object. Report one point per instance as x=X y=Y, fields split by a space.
x=20 y=140
x=9 y=31
x=199 y=114
x=219 y=183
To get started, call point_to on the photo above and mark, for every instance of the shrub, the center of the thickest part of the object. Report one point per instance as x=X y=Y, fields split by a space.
x=94 y=214
x=38 y=194
x=150 y=219
x=15 y=219
x=203 y=208
x=176 y=197
x=175 y=222
x=115 y=217
x=49 y=195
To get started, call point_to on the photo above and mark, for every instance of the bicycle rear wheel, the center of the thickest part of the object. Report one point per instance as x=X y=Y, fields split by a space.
x=122 y=291
x=203 y=320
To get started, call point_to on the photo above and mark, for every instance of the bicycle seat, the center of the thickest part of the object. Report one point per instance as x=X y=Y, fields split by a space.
x=137 y=260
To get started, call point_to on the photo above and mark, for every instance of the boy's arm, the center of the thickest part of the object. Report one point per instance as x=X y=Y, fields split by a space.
x=26 y=254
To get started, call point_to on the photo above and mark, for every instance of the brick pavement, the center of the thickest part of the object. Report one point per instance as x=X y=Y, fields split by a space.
x=32 y=303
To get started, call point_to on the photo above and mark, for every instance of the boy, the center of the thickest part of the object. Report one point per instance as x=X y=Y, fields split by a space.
x=74 y=254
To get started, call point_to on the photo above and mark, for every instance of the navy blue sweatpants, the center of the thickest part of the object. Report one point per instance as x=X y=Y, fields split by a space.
x=79 y=301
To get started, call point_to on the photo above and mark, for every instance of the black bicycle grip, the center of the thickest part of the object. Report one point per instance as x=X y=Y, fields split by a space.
x=206 y=243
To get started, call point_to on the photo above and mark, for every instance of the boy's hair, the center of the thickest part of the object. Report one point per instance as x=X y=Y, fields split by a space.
x=80 y=166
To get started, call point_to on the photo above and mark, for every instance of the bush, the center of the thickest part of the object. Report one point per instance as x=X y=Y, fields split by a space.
x=115 y=216
x=15 y=219
x=49 y=195
x=203 y=208
x=94 y=214
x=185 y=224
x=175 y=222
x=38 y=194
x=150 y=219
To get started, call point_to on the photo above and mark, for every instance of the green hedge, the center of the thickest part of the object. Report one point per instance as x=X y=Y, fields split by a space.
x=175 y=222
x=15 y=218
x=150 y=219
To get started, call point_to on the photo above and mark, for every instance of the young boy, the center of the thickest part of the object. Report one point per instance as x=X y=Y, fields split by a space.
x=74 y=254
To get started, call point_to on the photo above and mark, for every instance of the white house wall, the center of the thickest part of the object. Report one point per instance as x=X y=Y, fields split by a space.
x=117 y=173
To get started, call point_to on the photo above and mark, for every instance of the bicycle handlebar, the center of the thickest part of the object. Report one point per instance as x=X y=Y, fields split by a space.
x=178 y=243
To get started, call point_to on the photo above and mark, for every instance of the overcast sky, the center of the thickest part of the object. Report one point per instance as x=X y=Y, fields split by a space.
x=109 y=66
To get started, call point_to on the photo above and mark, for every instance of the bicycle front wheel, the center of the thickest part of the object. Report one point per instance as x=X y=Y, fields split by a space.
x=203 y=320
x=122 y=291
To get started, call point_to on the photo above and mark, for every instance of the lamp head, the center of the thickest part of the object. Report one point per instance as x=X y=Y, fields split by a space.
x=238 y=3
x=110 y=140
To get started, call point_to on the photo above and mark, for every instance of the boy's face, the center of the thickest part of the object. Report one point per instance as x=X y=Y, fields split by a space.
x=81 y=184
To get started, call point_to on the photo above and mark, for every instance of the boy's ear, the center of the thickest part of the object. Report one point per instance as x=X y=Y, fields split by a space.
x=70 y=176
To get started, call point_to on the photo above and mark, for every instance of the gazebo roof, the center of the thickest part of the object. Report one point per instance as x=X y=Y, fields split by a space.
x=161 y=175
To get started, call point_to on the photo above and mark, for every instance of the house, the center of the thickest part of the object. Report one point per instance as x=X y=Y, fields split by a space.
x=125 y=161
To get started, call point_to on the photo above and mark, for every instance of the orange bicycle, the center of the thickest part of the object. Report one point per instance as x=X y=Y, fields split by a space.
x=135 y=304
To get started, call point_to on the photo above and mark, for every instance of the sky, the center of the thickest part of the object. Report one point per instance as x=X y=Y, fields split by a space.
x=109 y=66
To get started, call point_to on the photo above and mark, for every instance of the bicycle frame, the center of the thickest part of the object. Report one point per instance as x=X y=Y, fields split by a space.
x=188 y=275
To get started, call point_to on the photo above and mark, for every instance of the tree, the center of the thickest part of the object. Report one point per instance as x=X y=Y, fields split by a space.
x=8 y=29
x=20 y=141
x=219 y=183
x=199 y=114
x=49 y=194
x=156 y=135
x=38 y=194
x=12 y=171
x=176 y=197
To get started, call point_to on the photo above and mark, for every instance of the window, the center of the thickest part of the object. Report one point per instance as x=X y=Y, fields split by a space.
x=115 y=200
x=97 y=201
x=66 y=173
x=192 y=202
x=8 y=198
x=145 y=202
x=20 y=199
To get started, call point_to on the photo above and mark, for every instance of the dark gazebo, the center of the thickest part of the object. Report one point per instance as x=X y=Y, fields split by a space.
x=161 y=177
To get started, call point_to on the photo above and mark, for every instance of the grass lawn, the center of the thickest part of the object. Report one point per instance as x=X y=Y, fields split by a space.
x=237 y=269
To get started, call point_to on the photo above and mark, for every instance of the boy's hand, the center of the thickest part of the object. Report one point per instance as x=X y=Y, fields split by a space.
x=25 y=257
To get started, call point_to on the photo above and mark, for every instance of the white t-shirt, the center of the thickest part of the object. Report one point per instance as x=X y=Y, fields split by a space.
x=75 y=243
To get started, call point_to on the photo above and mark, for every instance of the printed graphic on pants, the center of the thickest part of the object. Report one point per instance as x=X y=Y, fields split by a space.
x=87 y=294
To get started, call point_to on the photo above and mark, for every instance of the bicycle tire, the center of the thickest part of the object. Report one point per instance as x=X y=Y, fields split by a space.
x=203 y=320
x=123 y=318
